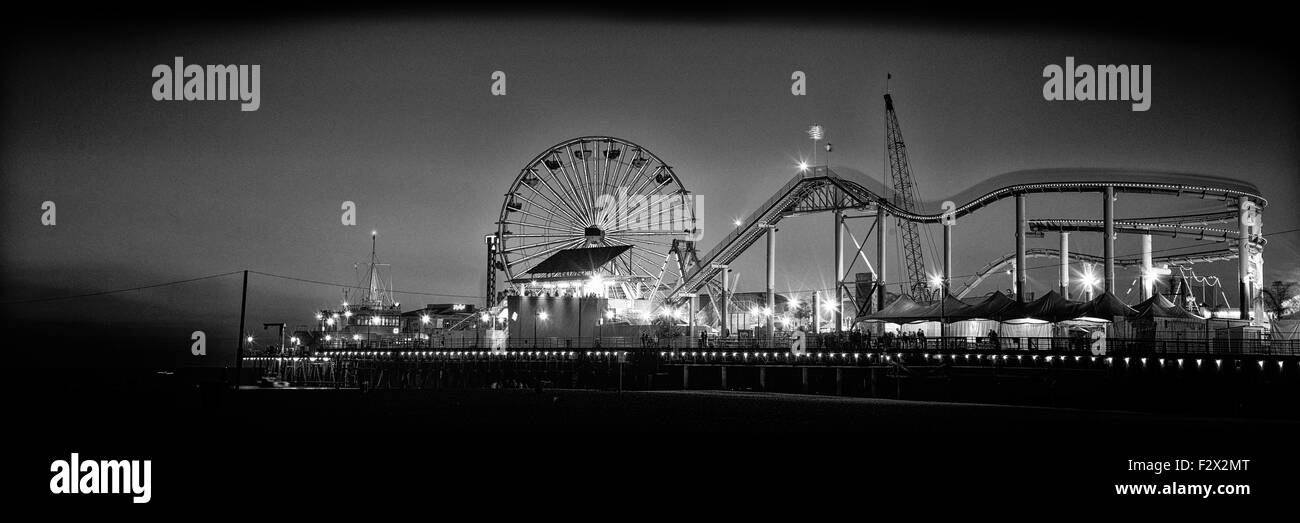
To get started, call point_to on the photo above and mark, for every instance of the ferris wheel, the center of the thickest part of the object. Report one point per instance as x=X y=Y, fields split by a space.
x=596 y=191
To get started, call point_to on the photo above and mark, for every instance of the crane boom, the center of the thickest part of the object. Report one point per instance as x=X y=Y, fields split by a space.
x=904 y=198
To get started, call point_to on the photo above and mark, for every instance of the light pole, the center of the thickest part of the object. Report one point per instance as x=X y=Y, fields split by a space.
x=1089 y=280
x=424 y=322
x=815 y=133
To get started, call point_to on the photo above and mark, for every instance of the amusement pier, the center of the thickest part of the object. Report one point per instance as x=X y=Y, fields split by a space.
x=596 y=279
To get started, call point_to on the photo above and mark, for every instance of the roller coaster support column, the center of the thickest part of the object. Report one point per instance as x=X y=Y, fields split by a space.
x=1244 y=208
x=691 y=317
x=771 y=279
x=817 y=311
x=1020 y=248
x=722 y=301
x=1148 y=278
x=947 y=277
x=1065 y=265
x=1108 y=243
x=880 y=257
x=947 y=258
x=839 y=270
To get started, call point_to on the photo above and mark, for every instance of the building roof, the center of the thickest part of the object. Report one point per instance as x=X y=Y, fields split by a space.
x=578 y=260
x=1107 y=306
x=1159 y=307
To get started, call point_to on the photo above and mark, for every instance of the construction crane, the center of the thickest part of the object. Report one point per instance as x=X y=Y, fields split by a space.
x=905 y=198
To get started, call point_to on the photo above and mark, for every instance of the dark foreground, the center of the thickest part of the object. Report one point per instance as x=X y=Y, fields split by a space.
x=398 y=447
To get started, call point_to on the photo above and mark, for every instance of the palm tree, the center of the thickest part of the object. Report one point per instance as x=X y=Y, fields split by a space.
x=1280 y=298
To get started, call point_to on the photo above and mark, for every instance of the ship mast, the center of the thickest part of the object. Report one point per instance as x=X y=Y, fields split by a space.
x=373 y=296
x=376 y=294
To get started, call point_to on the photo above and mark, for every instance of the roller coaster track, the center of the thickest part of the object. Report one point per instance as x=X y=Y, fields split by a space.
x=1172 y=230
x=1181 y=259
x=822 y=190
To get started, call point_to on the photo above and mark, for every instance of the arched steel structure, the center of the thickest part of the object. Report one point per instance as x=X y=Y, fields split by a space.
x=822 y=190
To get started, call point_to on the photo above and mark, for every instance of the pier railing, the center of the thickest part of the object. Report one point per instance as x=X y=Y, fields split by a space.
x=828 y=342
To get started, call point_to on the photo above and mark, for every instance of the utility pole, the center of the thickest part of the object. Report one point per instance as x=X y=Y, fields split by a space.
x=239 y=351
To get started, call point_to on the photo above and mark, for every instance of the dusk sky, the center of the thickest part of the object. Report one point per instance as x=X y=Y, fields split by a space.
x=396 y=115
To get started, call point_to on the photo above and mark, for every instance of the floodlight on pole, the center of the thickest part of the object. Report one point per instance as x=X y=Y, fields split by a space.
x=816 y=134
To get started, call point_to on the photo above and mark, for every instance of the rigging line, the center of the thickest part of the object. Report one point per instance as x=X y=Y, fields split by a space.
x=336 y=284
x=116 y=291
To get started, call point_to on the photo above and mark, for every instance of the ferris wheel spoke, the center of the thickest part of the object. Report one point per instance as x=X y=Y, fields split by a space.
x=519 y=248
x=644 y=184
x=552 y=209
x=527 y=213
x=579 y=176
x=556 y=203
x=555 y=216
x=636 y=251
x=600 y=171
x=539 y=235
x=644 y=252
x=635 y=267
x=567 y=204
x=631 y=166
x=573 y=181
x=570 y=197
x=644 y=241
x=588 y=177
x=642 y=180
x=621 y=171
x=580 y=184
x=668 y=197
x=633 y=236
x=654 y=219
x=572 y=232
x=587 y=180
x=610 y=221
x=604 y=177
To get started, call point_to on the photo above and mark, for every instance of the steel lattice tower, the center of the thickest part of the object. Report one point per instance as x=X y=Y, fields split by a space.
x=905 y=199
